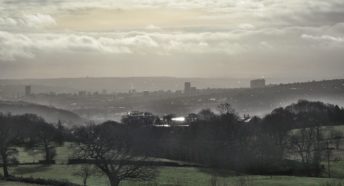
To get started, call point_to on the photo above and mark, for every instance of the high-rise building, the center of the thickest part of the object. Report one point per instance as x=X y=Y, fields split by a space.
x=104 y=91
x=187 y=87
x=27 y=90
x=257 y=83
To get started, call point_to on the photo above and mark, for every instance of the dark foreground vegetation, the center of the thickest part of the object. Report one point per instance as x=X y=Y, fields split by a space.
x=288 y=141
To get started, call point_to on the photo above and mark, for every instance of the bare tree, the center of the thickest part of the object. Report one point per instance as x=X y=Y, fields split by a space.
x=45 y=137
x=8 y=136
x=85 y=172
x=328 y=149
x=337 y=136
x=304 y=142
x=108 y=147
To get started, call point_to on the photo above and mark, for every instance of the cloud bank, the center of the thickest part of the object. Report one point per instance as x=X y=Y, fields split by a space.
x=238 y=31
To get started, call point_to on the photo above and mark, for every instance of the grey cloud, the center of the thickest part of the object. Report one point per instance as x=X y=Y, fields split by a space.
x=234 y=42
x=27 y=45
x=25 y=22
x=323 y=38
x=253 y=33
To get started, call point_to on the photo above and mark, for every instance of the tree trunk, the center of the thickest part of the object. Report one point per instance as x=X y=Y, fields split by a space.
x=47 y=153
x=85 y=181
x=5 y=164
x=114 y=181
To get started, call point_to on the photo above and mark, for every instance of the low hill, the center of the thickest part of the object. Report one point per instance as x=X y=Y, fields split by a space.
x=50 y=114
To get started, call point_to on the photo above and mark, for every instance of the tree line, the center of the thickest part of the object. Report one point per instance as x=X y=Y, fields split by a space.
x=221 y=139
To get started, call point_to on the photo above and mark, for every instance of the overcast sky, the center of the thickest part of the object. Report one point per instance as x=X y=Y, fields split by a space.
x=184 y=38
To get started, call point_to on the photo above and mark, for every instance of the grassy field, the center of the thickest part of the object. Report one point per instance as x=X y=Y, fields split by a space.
x=7 y=183
x=169 y=176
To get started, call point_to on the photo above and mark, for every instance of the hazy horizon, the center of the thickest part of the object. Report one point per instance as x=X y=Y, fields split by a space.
x=236 y=82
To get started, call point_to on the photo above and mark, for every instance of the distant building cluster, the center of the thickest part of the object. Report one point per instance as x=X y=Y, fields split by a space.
x=257 y=83
x=147 y=118
x=188 y=89
x=139 y=114
x=132 y=91
x=28 y=90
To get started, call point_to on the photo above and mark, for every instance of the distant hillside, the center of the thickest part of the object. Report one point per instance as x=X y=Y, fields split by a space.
x=255 y=101
x=50 y=114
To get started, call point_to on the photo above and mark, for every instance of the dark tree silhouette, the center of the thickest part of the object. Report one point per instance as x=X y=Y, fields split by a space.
x=13 y=132
x=108 y=147
x=226 y=108
x=8 y=135
x=46 y=137
x=206 y=114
